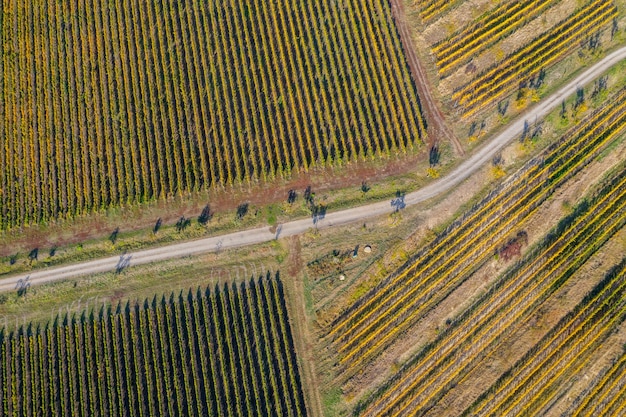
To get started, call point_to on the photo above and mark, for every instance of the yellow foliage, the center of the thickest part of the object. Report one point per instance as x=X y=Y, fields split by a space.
x=451 y=28
x=394 y=219
x=580 y=110
x=534 y=96
x=497 y=171
x=359 y=291
x=499 y=54
x=521 y=100
x=312 y=233
x=432 y=173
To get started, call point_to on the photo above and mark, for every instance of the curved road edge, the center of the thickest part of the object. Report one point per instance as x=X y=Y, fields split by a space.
x=263 y=234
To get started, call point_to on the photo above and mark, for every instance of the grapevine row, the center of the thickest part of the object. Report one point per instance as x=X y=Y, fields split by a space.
x=109 y=103
x=455 y=50
x=373 y=325
x=432 y=9
x=526 y=62
x=586 y=320
x=223 y=352
x=606 y=392
x=505 y=303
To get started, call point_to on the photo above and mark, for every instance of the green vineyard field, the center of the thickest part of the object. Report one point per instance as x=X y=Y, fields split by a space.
x=222 y=352
x=115 y=102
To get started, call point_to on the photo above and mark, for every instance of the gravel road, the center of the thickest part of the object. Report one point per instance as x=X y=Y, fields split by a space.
x=356 y=214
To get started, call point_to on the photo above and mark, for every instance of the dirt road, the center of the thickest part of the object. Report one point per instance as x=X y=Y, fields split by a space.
x=437 y=127
x=356 y=214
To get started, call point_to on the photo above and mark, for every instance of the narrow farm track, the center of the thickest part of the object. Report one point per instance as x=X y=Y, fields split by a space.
x=356 y=214
x=437 y=127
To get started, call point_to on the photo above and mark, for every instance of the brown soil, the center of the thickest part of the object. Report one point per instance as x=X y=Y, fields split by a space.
x=437 y=127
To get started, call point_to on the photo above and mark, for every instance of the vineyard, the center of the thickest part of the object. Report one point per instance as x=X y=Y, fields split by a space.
x=108 y=103
x=380 y=316
x=432 y=9
x=526 y=63
x=498 y=23
x=383 y=317
x=570 y=345
x=222 y=352
x=484 y=60
x=514 y=297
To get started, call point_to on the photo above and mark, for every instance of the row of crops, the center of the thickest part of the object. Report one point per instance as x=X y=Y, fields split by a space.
x=524 y=64
x=508 y=304
x=514 y=297
x=430 y=10
x=378 y=318
x=528 y=386
x=222 y=352
x=498 y=23
x=115 y=102
x=486 y=36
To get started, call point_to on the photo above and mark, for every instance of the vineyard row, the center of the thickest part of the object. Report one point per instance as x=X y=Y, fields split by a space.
x=511 y=300
x=570 y=344
x=493 y=26
x=525 y=63
x=385 y=312
x=108 y=103
x=225 y=352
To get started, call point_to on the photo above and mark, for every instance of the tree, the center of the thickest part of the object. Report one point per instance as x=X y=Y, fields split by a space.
x=525 y=132
x=242 y=210
x=33 y=254
x=580 y=97
x=308 y=195
x=157 y=226
x=114 y=234
x=291 y=196
x=537 y=129
x=206 y=215
x=503 y=106
x=434 y=155
x=182 y=223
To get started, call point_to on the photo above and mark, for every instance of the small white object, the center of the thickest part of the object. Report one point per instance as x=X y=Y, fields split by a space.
x=342 y=277
x=367 y=249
